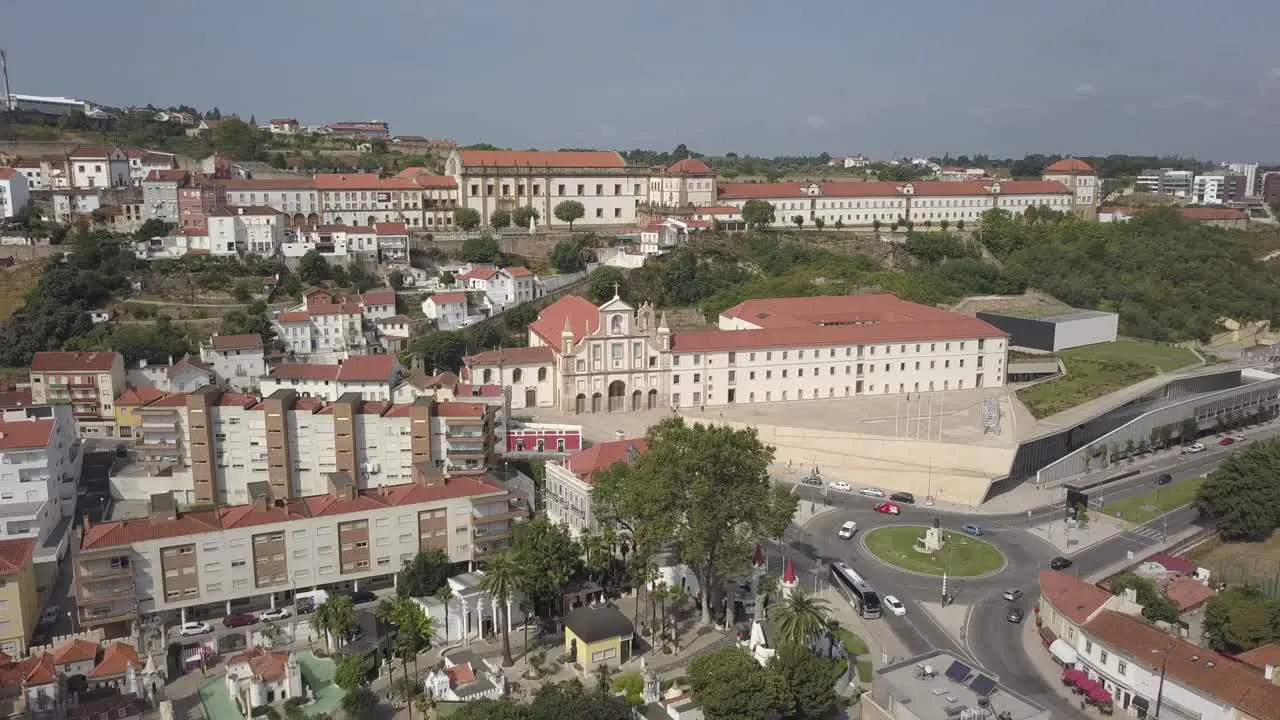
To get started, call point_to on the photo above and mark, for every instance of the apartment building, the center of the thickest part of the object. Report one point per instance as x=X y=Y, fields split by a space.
x=489 y=180
x=207 y=446
x=144 y=162
x=236 y=230
x=335 y=243
x=40 y=459
x=294 y=197
x=14 y=192
x=439 y=196
x=31 y=169
x=186 y=565
x=393 y=243
x=366 y=130
x=20 y=603
x=568 y=482
x=160 y=194
x=365 y=199
x=1166 y=181
x=326 y=327
x=196 y=199
x=853 y=204
x=614 y=358
x=372 y=376
x=450 y=310
x=88 y=381
x=237 y=360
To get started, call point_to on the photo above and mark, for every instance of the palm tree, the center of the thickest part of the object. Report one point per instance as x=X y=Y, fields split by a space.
x=271 y=631
x=801 y=618
x=595 y=555
x=501 y=581
x=444 y=595
x=337 y=616
x=604 y=674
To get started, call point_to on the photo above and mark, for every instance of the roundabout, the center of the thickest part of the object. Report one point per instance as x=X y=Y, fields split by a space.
x=959 y=555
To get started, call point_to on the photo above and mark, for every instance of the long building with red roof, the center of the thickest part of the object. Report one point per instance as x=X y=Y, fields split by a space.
x=616 y=358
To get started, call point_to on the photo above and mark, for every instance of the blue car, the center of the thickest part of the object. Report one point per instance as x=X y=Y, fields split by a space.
x=973 y=530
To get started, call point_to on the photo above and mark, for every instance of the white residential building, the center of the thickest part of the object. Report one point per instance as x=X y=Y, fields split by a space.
x=1166 y=181
x=450 y=310
x=568 y=482
x=665 y=234
x=325 y=328
x=99 y=167
x=184 y=375
x=69 y=202
x=238 y=230
x=466 y=677
x=688 y=182
x=295 y=197
x=238 y=360
x=258 y=677
x=143 y=162
x=335 y=243
x=33 y=172
x=14 y=192
x=372 y=376
x=503 y=288
x=609 y=190
x=1250 y=173
x=40 y=460
x=364 y=199
x=1208 y=189
x=393 y=243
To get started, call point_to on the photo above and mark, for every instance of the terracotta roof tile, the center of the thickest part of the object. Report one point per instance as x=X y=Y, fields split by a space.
x=463 y=391
x=518 y=271
x=1187 y=593
x=15 y=399
x=1071 y=596
x=247 y=341
x=1069 y=165
x=582 y=316
x=461 y=409
x=266 y=665
x=347 y=181
x=304 y=371
x=513 y=356
x=116 y=660
x=56 y=361
x=134 y=397
x=24 y=434
x=748 y=191
x=1205 y=670
x=74 y=651
x=1262 y=656
x=15 y=554
x=391 y=228
x=177 y=176
x=538 y=158
x=691 y=166
x=598 y=457
x=293 y=317
x=367 y=368
x=379 y=297
x=301 y=182
x=460 y=674
x=447 y=297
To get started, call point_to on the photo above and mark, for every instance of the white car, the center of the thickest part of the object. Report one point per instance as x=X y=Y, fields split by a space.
x=50 y=615
x=848 y=529
x=872 y=492
x=894 y=605
x=194 y=628
x=1239 y=438
x=1194 y=448
x=841 y=486
x=277 y=614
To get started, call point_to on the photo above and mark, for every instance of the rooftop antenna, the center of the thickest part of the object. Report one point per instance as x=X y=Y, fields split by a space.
x=4 y=70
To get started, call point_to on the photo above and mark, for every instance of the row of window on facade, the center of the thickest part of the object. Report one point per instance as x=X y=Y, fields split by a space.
x=517 y=375
x=831 y=392
x=831 y=352
x=831 y=370
x=560 y=190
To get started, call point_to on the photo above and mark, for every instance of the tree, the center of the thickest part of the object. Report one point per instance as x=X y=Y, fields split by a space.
x=521 y=216
x=313 y=268
x=149 y=229
x=757 y=214
x=350 y=672
x=731 y=685
x=241 y=292
x=806 y=683
x=395 y=279
x=1239 y=619
x=1242 y=496
x=574 y=253
x=271 y=631
x=1155 y=605
x=484 y=249
x=467 y=219
x=819 y=223
x=944 y=224
x=798 y=220
x=875 y=226
x=499 y=219
x=425 y=574
x=237 y=140
x=605 y=282
x=549 y=556
x=801 y=618
x=335 y=617
x=501 y=579
x=440 y=350
x=569 y=211
x=1188 y=430
x=445 y=595
x=960 y=225
x=360 y=704
x=603 y=673
x=705 y=486
x=278 y=161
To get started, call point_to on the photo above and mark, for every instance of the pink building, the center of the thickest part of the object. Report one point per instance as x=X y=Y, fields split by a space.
x=543 y=438
x=197 y=199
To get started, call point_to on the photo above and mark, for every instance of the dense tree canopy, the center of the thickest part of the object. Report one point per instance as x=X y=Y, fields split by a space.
x=1240 y=619
x=573 y=254
x=730 y=685
x=549 y=556
x=569 y=700
x=706 y=487
x=1242 y=497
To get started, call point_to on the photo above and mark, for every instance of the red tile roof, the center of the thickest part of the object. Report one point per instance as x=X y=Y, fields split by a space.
x=1069 y=165
x=304 y=371
x=15 y=399
x=461 y=409
x=444 y=182
x=1262 y=656
x=246 y=341
x=167 y=176
x=719 y=210
x=74 y=651
x=1071 y=596
x=391 y=228
x=249 y=210
x=302 y=182
x=513 y=356
x=460 y=674
x=379 y=297
x=598 y=457
x=126 y=532
x=518 y=271
x=691 y=166
x=6 y=173
x=538 y=158
x=447 y=297
x=36 y=670
x=582 y=316
x=133 y=397
x=90 y=151
x=24 y=434
x=479 y=272
x=748 y=191
x=1173 y=563
x=835 y=320
x=73 y=361
x=367 y=368
x=116 y=660
x=1190 y=665
x=344 y=181
x=293 y=317
x=283 y=121
x=266 y=665
x=1187 y=593
x=422 y=381
x=466 y=391
x=15 y=554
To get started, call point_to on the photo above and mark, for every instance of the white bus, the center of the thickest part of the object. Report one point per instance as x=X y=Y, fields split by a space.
x=859 y=592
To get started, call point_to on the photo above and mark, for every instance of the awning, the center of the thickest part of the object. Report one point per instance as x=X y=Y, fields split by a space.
x=1072 y=676
x=1099 y=694
x=1063 y=651
x=1088 y=686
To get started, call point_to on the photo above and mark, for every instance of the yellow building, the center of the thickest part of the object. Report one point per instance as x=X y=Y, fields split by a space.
x=598 y=634
x=127 y=418
x=19 y=601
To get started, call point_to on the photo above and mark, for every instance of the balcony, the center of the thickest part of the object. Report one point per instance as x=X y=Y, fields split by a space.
x=510 y=515
x=468 y=432
x=157 y=447
x=102 y=571
x=103 y=591
x=93 y=615
x=468 y=453
x=488 y=548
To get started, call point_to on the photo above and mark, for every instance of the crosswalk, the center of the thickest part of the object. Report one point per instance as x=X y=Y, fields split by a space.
x=1147 y=532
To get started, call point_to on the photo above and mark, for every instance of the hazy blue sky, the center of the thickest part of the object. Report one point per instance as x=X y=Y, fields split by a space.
x=1005 y=77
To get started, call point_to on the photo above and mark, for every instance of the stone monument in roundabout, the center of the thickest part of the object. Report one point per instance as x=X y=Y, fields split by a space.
x=932 y=541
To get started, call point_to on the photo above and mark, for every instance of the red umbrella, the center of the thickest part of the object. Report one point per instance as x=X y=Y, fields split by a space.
x=1099 y=694
x=1072 y=675
x=1087 y=685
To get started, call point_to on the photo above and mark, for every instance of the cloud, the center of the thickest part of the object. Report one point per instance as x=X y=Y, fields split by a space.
x=814 y=121
x=1085 y=89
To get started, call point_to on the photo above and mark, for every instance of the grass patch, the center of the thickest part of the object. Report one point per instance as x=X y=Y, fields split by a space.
x=1165 y=358
x=1154 y=503
x=852 y=642
x=961 y=555
x=1242 y=563
x=864 y=671
x=14 y=284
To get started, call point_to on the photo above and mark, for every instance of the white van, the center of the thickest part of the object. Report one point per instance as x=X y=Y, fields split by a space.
x=848 y=529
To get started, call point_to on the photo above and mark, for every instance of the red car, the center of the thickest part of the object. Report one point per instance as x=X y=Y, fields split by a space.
x=888 y=509
x=1227 y=441
x=240 y=620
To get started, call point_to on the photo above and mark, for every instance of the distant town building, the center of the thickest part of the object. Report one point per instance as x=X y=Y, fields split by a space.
x=14 y=192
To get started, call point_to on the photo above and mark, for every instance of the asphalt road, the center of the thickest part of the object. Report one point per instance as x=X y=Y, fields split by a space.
x=988 y=638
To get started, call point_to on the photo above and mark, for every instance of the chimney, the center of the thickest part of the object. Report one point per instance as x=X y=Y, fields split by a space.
x=1269 y=672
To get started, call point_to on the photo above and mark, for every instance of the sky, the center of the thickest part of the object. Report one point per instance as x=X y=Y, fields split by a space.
x=764 y=77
